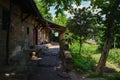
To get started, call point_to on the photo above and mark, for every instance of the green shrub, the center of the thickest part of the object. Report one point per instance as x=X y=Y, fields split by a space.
x=89 y=48
x=116 y=76
x=82 y=64
x=112 y=76
x=83 y=61
x=94 y=75
x=114 y=56
x=86 y=60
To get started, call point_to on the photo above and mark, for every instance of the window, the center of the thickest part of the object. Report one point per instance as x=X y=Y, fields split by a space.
x=27 y=30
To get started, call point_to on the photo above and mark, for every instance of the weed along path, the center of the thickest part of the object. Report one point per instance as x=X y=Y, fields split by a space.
x=49 y=67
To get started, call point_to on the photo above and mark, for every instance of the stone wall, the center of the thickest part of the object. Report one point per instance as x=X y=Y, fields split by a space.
x=3 y=33
x=20 y=33
x=21 y=38
x=2 y=40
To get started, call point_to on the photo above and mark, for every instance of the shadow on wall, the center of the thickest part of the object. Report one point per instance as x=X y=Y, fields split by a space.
x=18 y=59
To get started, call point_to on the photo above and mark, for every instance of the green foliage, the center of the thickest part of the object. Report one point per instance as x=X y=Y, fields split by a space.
x=45 y=11
x=61 y=19
x=75 y=48
x=112 y=76
x=81 y=24
x=60 y=5
x=114 y=56
x=94 y=75
x=87 y=60
x=82 y=62
x=117 y=38
x=69 y=35
x=89 y=47
x=107 y=16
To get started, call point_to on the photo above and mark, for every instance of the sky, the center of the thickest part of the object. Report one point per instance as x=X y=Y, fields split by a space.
x=83 y=4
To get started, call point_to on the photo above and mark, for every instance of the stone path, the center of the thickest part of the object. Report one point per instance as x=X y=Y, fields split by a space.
x=48 y=67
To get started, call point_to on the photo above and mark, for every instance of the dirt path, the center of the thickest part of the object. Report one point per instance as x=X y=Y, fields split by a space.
x=46 y=69
x=49 y=68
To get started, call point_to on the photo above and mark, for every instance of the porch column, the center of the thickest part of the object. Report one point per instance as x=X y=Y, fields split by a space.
x=62 y=40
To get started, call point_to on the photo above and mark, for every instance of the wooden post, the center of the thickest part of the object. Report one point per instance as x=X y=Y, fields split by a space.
x=61 y=40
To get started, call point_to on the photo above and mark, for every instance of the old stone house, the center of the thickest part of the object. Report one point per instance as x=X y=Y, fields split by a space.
x=22 y=26
x=18 y=19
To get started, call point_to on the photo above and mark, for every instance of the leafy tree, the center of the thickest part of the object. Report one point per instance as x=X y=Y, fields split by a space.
x=60 y=5
x=110 y=9
x=81 y=24
x=45 y=11
x=117 y=38
x=61 y=19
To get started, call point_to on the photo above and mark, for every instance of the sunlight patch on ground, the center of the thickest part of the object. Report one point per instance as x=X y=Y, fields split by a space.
x=96 y=57
x=52 y=46
x=109 y=65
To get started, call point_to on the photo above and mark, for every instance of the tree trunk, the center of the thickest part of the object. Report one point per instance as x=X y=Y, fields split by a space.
x=80 y=45
x=104 y=55
x=111 y=28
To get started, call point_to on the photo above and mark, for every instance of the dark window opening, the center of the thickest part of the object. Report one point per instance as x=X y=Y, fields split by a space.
x=5 y=19
x=28 y=31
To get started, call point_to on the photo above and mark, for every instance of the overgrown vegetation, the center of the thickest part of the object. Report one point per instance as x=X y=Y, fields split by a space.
x=104 y=25
x=83 y=61
x=114 y=56
x=89 y=57
x=113 y=76
x=81 y=24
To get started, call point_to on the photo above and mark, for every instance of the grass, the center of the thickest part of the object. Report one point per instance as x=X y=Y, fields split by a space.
x=114 y=66
x=114 y=56
x=89 y=57
x=113 y=76
x=83 y=61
